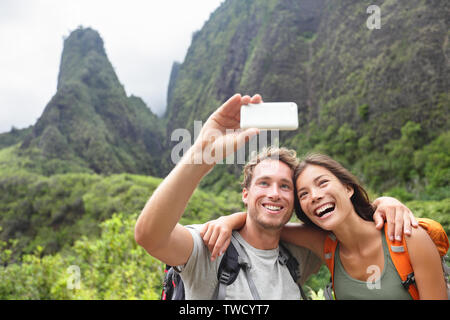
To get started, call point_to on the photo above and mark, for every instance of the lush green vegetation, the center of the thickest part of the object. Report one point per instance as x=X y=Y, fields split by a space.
x=53 y=212
x=111 y=266
x=50 y=224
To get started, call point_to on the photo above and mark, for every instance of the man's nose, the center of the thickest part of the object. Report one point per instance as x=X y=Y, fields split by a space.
x=274 y=192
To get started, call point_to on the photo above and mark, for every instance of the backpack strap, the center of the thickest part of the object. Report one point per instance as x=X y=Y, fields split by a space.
x=234 y=259
x=244 y=262
x=329 y=250
x=228 y=271
x=286 y=258
x=400 y=258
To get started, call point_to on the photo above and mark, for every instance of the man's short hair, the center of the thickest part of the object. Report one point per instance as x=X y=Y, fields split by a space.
x=287 y=156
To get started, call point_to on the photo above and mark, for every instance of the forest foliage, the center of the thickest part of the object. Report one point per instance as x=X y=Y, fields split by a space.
x=72 y=226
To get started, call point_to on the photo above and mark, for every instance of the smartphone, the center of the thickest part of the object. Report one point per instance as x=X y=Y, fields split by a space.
x=270 y=115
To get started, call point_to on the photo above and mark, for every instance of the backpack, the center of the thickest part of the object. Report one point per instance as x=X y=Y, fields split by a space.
x=234 y=259
x=400 y=257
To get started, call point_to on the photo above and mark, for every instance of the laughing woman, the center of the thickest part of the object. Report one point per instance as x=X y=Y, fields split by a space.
x=330 y=199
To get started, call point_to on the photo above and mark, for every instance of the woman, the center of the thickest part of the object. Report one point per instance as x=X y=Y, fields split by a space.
x=331 y=199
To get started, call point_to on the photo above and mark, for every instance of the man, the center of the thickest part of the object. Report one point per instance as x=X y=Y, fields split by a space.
x=269 y=199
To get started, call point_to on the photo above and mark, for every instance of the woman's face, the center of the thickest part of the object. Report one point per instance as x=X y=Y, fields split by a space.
x=323 y=198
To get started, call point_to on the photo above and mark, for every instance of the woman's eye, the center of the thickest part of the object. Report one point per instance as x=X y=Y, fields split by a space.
x=302 y=195
x=323 y=182
x=263 y=183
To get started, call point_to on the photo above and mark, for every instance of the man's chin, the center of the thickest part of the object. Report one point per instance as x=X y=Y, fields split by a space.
x=271 y=225
x=271 y=222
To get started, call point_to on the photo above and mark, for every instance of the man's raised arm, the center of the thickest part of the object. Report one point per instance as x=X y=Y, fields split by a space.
x=157 y=229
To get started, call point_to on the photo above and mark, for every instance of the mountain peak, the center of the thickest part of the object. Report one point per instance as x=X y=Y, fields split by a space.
x=84 y=58
x=90 y=121
x=85 y=40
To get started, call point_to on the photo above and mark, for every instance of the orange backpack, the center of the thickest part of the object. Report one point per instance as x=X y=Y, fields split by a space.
x=399 y=255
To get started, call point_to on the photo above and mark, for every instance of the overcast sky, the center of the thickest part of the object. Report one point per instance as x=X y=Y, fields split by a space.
x=142 y=39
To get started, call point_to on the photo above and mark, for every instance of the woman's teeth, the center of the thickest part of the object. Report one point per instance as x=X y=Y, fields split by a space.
x=324 y=209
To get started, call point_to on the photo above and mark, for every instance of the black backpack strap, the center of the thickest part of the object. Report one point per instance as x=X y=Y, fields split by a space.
x=228 y=271
x=244 y=262
x=233 y=260
x=286 y=258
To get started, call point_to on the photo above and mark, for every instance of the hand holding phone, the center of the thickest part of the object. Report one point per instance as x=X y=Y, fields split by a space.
x=270 y=115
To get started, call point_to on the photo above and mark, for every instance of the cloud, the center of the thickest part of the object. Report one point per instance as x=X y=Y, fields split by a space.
x=142 y=39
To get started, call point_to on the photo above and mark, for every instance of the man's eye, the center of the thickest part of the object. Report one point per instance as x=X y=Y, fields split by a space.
x=286 y=186
x=263 y=183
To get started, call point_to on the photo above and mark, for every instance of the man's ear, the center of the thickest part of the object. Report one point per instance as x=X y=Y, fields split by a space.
x=244 y=196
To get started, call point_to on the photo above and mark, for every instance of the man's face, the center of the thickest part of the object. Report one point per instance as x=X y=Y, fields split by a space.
x=270 y=197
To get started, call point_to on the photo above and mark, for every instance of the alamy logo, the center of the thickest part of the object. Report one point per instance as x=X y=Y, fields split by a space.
x=223 y=155
x=374 y=20
x=73 y=282
x=373 y=281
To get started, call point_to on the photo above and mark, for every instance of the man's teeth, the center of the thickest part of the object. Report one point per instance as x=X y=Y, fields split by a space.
x=273 y=208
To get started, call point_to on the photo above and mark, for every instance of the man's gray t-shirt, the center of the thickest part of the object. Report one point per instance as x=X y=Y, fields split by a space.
x=272 y=279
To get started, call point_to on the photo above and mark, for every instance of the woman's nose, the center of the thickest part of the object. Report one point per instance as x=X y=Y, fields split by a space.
x=316 y=194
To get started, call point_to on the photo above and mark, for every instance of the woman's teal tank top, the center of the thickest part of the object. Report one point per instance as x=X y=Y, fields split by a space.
x=387 y=287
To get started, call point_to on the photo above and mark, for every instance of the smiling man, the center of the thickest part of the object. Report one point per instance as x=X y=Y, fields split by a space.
x=268 y=194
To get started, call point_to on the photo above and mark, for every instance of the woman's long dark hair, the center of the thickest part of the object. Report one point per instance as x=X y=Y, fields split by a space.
x=359 y=199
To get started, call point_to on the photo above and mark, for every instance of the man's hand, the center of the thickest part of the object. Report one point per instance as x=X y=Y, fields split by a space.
x=157 y=228
x=399 y=218
x=221 y=134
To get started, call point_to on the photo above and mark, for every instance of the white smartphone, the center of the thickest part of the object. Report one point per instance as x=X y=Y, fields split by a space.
x=270 y=115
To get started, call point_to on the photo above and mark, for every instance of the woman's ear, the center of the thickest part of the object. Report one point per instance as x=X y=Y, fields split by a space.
x=350 y=191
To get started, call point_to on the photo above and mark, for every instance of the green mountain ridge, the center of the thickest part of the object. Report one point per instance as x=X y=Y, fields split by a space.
x=358 y=90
